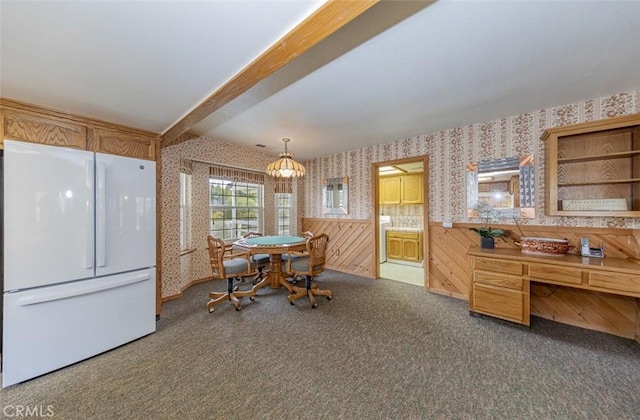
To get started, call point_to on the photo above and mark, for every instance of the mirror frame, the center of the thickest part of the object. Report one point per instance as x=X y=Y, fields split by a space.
x=341 y=185
x=525 y=165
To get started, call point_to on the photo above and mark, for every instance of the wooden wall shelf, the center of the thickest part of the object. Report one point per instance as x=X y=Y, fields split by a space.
x=619 y=155
x=594 y=161
x=604 y=182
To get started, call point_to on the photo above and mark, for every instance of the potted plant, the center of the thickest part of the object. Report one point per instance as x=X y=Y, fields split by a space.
x=487 y=234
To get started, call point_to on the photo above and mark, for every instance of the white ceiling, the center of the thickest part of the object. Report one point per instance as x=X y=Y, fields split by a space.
x=403 y=68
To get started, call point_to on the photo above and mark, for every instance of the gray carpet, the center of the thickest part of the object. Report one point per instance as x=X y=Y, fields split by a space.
x=379 y=350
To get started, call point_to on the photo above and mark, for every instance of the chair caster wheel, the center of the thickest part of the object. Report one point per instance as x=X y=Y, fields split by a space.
x=314 y=306
x=251 y=298
x=238 y=308
x=291 y=303
x=210 y=310
x=329 y=298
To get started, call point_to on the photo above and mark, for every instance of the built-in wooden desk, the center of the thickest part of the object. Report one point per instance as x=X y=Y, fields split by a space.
x=499 y=283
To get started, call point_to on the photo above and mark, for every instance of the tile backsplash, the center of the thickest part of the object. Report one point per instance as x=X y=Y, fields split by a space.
x=408 y=215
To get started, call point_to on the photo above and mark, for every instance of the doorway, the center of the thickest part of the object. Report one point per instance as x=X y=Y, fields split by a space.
x=401 y=197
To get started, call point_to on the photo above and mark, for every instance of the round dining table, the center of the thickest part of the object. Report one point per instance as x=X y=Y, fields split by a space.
x=275 y=246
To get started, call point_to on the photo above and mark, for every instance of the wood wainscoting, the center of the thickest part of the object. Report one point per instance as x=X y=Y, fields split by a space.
x=351 y=246
x=352 y=250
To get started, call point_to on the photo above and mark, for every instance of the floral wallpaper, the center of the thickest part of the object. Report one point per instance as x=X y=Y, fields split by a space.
x=450 y=150
x=178 y=271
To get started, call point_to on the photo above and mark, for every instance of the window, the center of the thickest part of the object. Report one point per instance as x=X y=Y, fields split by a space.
x=284 y=212
x=185 y=211
x=236 y=208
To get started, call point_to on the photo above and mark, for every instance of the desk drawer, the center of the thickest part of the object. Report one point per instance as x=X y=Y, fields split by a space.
x=499 y=266
x=616 y=282
x=556 y=274
x=498 y=280
x=501 y=303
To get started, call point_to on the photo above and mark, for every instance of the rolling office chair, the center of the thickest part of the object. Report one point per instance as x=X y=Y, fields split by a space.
x=288 y=256
x=259 y=261
x=228 y=267
x=309 y=264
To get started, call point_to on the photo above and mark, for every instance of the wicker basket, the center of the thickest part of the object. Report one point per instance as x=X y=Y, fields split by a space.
x=545 y=246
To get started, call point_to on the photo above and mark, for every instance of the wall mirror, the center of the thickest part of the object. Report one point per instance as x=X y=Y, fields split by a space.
x=505 y=184
x=335 y=195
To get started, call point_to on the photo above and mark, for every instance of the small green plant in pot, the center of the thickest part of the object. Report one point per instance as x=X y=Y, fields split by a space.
x=487 y=234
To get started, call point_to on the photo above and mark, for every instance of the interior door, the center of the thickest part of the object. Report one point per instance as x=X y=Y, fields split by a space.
x=419 y=188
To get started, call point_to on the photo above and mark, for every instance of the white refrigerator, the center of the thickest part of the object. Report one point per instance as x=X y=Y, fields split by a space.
x=79 y=256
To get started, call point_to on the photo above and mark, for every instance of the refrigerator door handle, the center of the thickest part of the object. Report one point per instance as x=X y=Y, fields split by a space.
x=81 y=290
x=89 y=209
x=101 y=214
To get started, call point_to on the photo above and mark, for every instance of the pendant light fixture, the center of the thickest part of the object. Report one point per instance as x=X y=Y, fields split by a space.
x=285 y=167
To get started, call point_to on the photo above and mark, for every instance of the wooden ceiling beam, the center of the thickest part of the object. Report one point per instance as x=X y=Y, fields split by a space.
x=330 y=17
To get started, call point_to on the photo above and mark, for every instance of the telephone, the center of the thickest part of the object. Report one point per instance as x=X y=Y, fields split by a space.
x=587 y=251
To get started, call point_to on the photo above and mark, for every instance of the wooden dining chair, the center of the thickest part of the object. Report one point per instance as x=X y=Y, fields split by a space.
x=309 y=264
x=259 y=261
x=228 y=266
x=288 y=256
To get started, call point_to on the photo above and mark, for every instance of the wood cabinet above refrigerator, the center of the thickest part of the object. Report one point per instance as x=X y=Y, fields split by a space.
x=40 y=125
